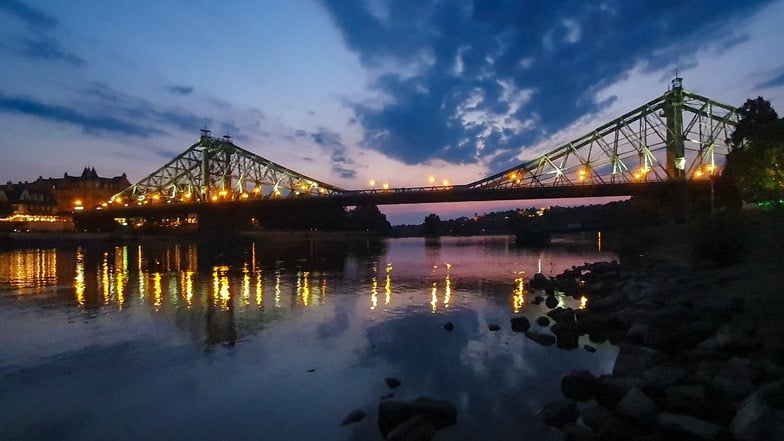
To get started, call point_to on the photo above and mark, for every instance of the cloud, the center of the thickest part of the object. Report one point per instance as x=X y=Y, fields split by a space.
x=477 y=82
x=32 y=17
x=89 y=122
x=775 y=81
x=112 y=102
x=333 y=144
x=180 y=90
x=47 y=48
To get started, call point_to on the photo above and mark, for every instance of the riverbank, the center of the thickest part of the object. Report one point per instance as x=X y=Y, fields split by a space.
x=696 y=310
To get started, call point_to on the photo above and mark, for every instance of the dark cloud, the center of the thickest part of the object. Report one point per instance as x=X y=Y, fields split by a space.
x=32 y=17
x=775 y=81
x=112 y=102
x=89 y=122
x=332 y=143
x=180 y=90
x=463 y=79
x=47 y=48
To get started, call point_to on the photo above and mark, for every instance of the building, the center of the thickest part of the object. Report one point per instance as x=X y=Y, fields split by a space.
x=85 y=192
x=24 y=207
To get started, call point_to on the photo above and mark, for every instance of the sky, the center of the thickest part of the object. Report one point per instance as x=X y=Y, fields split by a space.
x=353 y=91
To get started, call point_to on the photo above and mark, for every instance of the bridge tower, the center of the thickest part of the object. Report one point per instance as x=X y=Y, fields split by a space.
x=673 y=114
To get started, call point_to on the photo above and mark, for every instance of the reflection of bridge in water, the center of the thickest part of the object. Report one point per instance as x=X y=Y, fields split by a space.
x=676 y=140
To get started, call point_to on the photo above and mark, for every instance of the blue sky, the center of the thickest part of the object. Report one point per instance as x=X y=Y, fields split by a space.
x=349 y=91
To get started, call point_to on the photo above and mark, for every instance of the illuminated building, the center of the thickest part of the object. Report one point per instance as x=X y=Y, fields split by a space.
x=87 y=191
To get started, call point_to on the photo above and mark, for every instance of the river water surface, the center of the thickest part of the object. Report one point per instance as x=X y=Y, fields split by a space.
x=276 y=339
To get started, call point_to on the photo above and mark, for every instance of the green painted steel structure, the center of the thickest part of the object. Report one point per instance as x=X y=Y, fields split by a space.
x=679 y=136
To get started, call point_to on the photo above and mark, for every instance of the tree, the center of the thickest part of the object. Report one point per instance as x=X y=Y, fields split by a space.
x=432 y=225
x=755 y=166
x=369 y=218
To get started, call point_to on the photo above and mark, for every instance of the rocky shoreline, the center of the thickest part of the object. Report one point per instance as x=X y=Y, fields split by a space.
x=682 y=372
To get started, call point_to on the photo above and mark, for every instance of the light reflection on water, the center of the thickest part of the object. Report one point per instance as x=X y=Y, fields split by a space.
x=264 y=313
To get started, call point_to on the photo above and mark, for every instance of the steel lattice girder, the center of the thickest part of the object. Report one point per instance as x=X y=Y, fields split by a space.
x=631 y=148
x=215 y=169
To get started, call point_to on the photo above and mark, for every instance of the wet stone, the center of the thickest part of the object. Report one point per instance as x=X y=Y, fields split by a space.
x=559 y=413
x=493 y=327
x=520 y=324
x=543 y=321
x=354 y=416
x=449 y=326
x=541 y=338
x=392 y=382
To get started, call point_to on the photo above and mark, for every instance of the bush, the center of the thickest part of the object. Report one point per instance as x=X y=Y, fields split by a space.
x=722 y=239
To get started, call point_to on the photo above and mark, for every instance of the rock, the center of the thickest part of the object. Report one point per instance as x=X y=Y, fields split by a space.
x=578 y=385
x=634 y=360
x=637 y=406
x=539 y=281
x=449 y=326
x=567 y=335
x=578 y=432
x=562 y=315
x=691 y=334
x=659 y=377
x=543 y=321
x=537 y=300
x=589 y=348
x=593 y=415
x=416 y=428
x=689 y=398
x=393 y=413
x=354 y=416
x=559 y=413
x=551 y=301
x=392 y=382
x=493 y=327
x=757 y=419
x=737 y=377
x=541 y=338
x=611 y=389
x=692 y=427
x=520 y=324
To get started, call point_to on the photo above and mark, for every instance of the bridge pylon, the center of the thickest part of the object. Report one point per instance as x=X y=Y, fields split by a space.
x=216 y=169
x=679 y=136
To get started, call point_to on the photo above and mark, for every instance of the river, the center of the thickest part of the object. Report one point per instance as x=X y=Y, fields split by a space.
x=277 y=338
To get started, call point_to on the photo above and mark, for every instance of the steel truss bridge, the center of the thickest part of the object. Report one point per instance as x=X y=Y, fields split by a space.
x=677 y=138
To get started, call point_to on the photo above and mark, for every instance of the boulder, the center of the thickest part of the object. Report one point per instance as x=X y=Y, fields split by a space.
x=543 y=321
x=692 y=428
x=611 y=389
x=579 y=385
x=593 y=415
x=416 y=428
x=393 y=413
x=637 y=406
x=551 y=301
x=392 y=382
x=761 y=415
x=520 y=324
x=567 y=335
x=354 y=416
x=634 y=360
x=449 y=326
x=688 y=398
x=493 y=327
x=659 y=377
x=559 y=413
x=578 y=432
x=539 y=281
x=541 y=338
x=562 y=315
